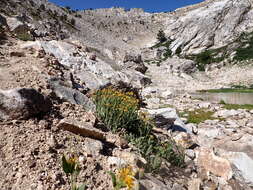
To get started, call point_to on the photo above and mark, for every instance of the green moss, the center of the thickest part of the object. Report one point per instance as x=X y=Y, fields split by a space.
x=229 y=90
x=236 y=106
x=163 y=44
x=198 y=116
x=24 y=36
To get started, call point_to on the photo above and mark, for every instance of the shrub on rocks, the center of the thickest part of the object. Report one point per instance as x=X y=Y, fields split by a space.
x=120 y=112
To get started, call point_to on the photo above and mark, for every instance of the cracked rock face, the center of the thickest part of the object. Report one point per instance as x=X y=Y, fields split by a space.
x=211 y=24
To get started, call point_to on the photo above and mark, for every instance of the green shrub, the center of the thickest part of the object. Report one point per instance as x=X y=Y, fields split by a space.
x=203 y=59
x=120 y=111
x=116 y=109
x=209 y=56
x=229 y=90
x=199 y=116
x=73 y=21
x=25 y=36
x=178 y=50
x=236 y=106
x=72 y=169
x=161 y=36
x=245 y=50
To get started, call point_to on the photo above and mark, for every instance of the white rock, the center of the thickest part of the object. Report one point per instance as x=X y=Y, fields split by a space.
x=243 y=164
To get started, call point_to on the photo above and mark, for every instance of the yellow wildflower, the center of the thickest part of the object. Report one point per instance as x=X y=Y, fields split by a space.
x=126 y=174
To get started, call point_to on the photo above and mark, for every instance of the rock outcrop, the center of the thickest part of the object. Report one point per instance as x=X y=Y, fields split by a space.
x=22 y=103
x=211 y=24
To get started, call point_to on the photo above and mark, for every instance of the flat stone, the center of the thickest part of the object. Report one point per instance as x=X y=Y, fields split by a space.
x=130 y=158
x=85 y=129
x=211 y=163
x=167 y=117
x=194 y=184
x=151 y=183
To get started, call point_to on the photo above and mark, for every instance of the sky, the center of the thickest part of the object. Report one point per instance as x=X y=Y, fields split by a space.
x=147 y=5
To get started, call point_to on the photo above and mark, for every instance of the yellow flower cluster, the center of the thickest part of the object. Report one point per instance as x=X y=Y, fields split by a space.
x=118 y=100
x=145 y=117
x=126 y=175
x=72 y=160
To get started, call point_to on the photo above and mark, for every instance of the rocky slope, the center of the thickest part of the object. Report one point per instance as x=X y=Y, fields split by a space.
x=52 y=59
x=212 y=24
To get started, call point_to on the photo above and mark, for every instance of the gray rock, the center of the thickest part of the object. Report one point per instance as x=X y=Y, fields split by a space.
x=71 y=95
x=3 y=21
x=194 y=184
x=190 y=153
x=216 y=165
x=115 y=161
x=168 y=118
x=209 y=24
x=22 y=103
x=177 y=65
x=17 y=26
x=149 y=91
x=227 y=113
x=243 y=166
x=129 y=57
x=151 y=183
x=92 y=147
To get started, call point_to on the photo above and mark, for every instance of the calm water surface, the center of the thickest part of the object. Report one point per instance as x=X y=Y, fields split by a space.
x=229 y=98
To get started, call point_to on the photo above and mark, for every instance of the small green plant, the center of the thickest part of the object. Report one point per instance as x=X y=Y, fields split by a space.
x=244 y=52
x=161 y=36
x=236 y=106
x=229 y=90
x=71 y=168
x=73 y=21
x=208 y=56
x=123 y=178
x=199 y=115
x=222 y=102
x=178 y=50
x=24 y=36
x=117 y=109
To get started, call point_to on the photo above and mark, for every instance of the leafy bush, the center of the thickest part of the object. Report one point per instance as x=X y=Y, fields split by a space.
x=120 y=111
x=246 y=51
x=236 y=106
x=116 y=109
x=178 y=50
x=25 y=36
x=209 y=56
x=73 y=21
x=199 y=115
x=161 y=36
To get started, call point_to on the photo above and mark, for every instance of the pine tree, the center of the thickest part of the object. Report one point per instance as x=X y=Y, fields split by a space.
x=161 y=36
